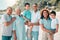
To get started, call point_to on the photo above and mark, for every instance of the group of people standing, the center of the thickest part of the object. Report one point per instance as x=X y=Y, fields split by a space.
x=15 y=26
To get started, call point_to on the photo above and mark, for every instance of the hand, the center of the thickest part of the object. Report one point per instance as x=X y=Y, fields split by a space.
x=15 y=38
x=51 y=32
x=13 y=19
x=30 y=24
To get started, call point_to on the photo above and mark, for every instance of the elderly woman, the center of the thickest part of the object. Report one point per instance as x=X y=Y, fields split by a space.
x=19 y=26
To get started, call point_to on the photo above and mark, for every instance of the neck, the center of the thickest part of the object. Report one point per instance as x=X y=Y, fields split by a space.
x=35 y=10
x=19 y=15
x=27 y=9
x=46 y=18
x=53 y=18
x=8 y=14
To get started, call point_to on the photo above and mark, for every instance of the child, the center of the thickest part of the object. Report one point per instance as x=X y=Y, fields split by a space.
x=27 y=14
x=54 y=22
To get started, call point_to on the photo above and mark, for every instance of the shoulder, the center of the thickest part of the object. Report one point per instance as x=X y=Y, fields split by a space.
x=22 y=11
x=57 y=20
x=41 y=19
x=4 y=16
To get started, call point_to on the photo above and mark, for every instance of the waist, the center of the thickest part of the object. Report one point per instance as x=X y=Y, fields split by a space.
x=35 y=28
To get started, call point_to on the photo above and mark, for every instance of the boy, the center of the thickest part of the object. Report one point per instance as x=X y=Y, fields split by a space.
x=54 y=22
x=27 y=14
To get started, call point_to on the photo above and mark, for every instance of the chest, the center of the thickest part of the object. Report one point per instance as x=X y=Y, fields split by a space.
x=54 y=21
x=19 y=20
x=47 y=22
x=8 y=18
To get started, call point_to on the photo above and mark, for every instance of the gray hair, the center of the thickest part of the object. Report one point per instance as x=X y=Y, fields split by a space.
x=18 y=8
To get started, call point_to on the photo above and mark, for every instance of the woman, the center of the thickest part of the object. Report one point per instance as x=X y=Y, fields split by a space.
x=45 y=24
x=19 y=26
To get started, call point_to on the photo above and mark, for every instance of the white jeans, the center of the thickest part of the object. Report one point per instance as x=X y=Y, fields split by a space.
x=43 y=35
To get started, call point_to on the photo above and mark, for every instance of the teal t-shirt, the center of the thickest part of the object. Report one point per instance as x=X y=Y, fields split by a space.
x=27 y=14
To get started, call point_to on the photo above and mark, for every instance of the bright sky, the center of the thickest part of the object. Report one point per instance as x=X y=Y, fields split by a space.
x=5 y=3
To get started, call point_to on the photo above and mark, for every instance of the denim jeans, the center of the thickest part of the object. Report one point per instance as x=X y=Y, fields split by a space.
x=34 y=35
x=6 y=37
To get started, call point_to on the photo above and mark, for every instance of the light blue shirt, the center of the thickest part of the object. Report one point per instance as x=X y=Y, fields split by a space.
x=35 y=17
x=54 y=22
x=46 y=23
x=27 y=14
x=7 y=30
x=19 y=26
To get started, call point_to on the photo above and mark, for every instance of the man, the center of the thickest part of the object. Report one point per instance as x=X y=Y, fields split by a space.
x=19 y=26
x=27 y=14
x=35 y=16
x=7 y=24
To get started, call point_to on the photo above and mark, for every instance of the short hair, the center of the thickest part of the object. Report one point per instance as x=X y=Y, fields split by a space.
x=35 y=4
x=17 y=8
x=53 y=12
x=9 y=7
x=27 y=4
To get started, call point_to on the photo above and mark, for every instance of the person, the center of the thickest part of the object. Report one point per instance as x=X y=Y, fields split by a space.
x=7 y=21
x=19 y=26
x=54 y=22
x=27 y=14
x=45 y=24
x=35 y=17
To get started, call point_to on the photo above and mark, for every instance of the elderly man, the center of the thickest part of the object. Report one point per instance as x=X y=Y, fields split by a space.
x=7 y=24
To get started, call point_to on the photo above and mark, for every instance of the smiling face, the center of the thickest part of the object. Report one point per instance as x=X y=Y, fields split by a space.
x=35 y=7
x=9 y=10
x=18 y=11
x=52 y=16
x=27 y=7
x=45 y=14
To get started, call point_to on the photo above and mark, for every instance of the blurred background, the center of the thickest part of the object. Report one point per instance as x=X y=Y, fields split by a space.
x=50 y=4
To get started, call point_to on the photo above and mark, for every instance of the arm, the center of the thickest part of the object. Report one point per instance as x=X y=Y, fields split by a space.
x=14 y=33
x=57 y=26
x=37 y=23
x=31 y=28
x=42 y=27
x=14 y=30
x=10 y=22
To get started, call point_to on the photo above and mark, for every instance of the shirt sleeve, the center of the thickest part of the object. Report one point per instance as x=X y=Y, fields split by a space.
x=41 y=21
x=23 y=13
x=57 y=22
x=38 y=15
x=4 y=18
x=14 y=25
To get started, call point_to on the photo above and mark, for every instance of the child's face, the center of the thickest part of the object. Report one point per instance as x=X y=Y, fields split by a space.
x=52 y=16
x=27 y=7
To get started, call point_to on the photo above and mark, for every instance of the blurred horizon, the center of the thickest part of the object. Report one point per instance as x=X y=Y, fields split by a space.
x=5 y=3
x=41 y=3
